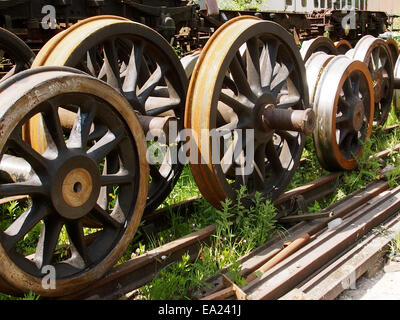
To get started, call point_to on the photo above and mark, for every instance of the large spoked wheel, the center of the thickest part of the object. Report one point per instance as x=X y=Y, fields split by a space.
x=15 y=55
x=250 y=76
x=319 y=44
x=66 y=184
x=375 y=53
x=344 y=105
x=139 y=63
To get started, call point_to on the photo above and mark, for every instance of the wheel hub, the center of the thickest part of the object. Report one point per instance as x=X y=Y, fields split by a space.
x=358 y=116
x=75 y=187
x=379 y=86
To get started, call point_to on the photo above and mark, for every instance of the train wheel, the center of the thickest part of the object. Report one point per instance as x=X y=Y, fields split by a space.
x=321 y=43
x=343 y=46
x=375 y=53
x=344 y=106
x=15 y=55
x=139 y=63
x=239 y=109
x=64 y=185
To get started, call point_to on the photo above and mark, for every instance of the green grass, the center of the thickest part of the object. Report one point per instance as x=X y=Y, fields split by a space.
x=239 y=231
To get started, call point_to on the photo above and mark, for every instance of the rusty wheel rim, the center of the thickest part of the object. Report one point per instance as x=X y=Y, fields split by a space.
x=67 y=183
x=375 y=53
x=129 y=55
x=343 y=46
x=345 y=113
x=15 y=55
x=394 y=49
x=245 y=84
x=318 y=44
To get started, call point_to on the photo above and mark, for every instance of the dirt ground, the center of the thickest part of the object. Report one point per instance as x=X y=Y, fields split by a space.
x=382 y=286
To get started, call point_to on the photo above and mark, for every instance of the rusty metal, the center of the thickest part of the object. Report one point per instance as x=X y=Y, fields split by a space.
x=291 y=120
x=68 y=182
x=306 y=217
x=142 y=269
x=340 y=273
x=394 y=49
x=140 y=64
x=284 y=276
x=288 y=249
x=344 y=106
x=343 y=46
x=319 y=44
x=233 y=81
x=375 y=53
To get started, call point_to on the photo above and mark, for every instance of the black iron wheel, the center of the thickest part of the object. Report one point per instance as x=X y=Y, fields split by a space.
x=67 y=183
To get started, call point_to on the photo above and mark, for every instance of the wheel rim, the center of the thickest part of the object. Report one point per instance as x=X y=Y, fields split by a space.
x=67 y=183
x=394 y=49
x=160 y=78
x=315 y=65
x=345 y=114
x=15 y=55
x=246 y=91
x=396 y=95
x=375 y=53
x=343 y=46
x=318 y=44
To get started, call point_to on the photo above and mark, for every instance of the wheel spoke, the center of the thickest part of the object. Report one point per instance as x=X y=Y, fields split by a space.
x=273 y=157
x=104 y=217
x=53 y=124
x=47 y=241
x=106 y=144
x=239 y=77
x=111 y=64
x=116 y=179
x=158 y=106
x=133 y=69
x=77 y=240
x=145 y=92
x=253 y=65
x=268 y=61
x=236 y=105
x=259 y=167
x=347 y=88
x=227 y=159
x=79 y=135
x=281 y=78
x=25 y=222
x=25 y=151
x=21 y=189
